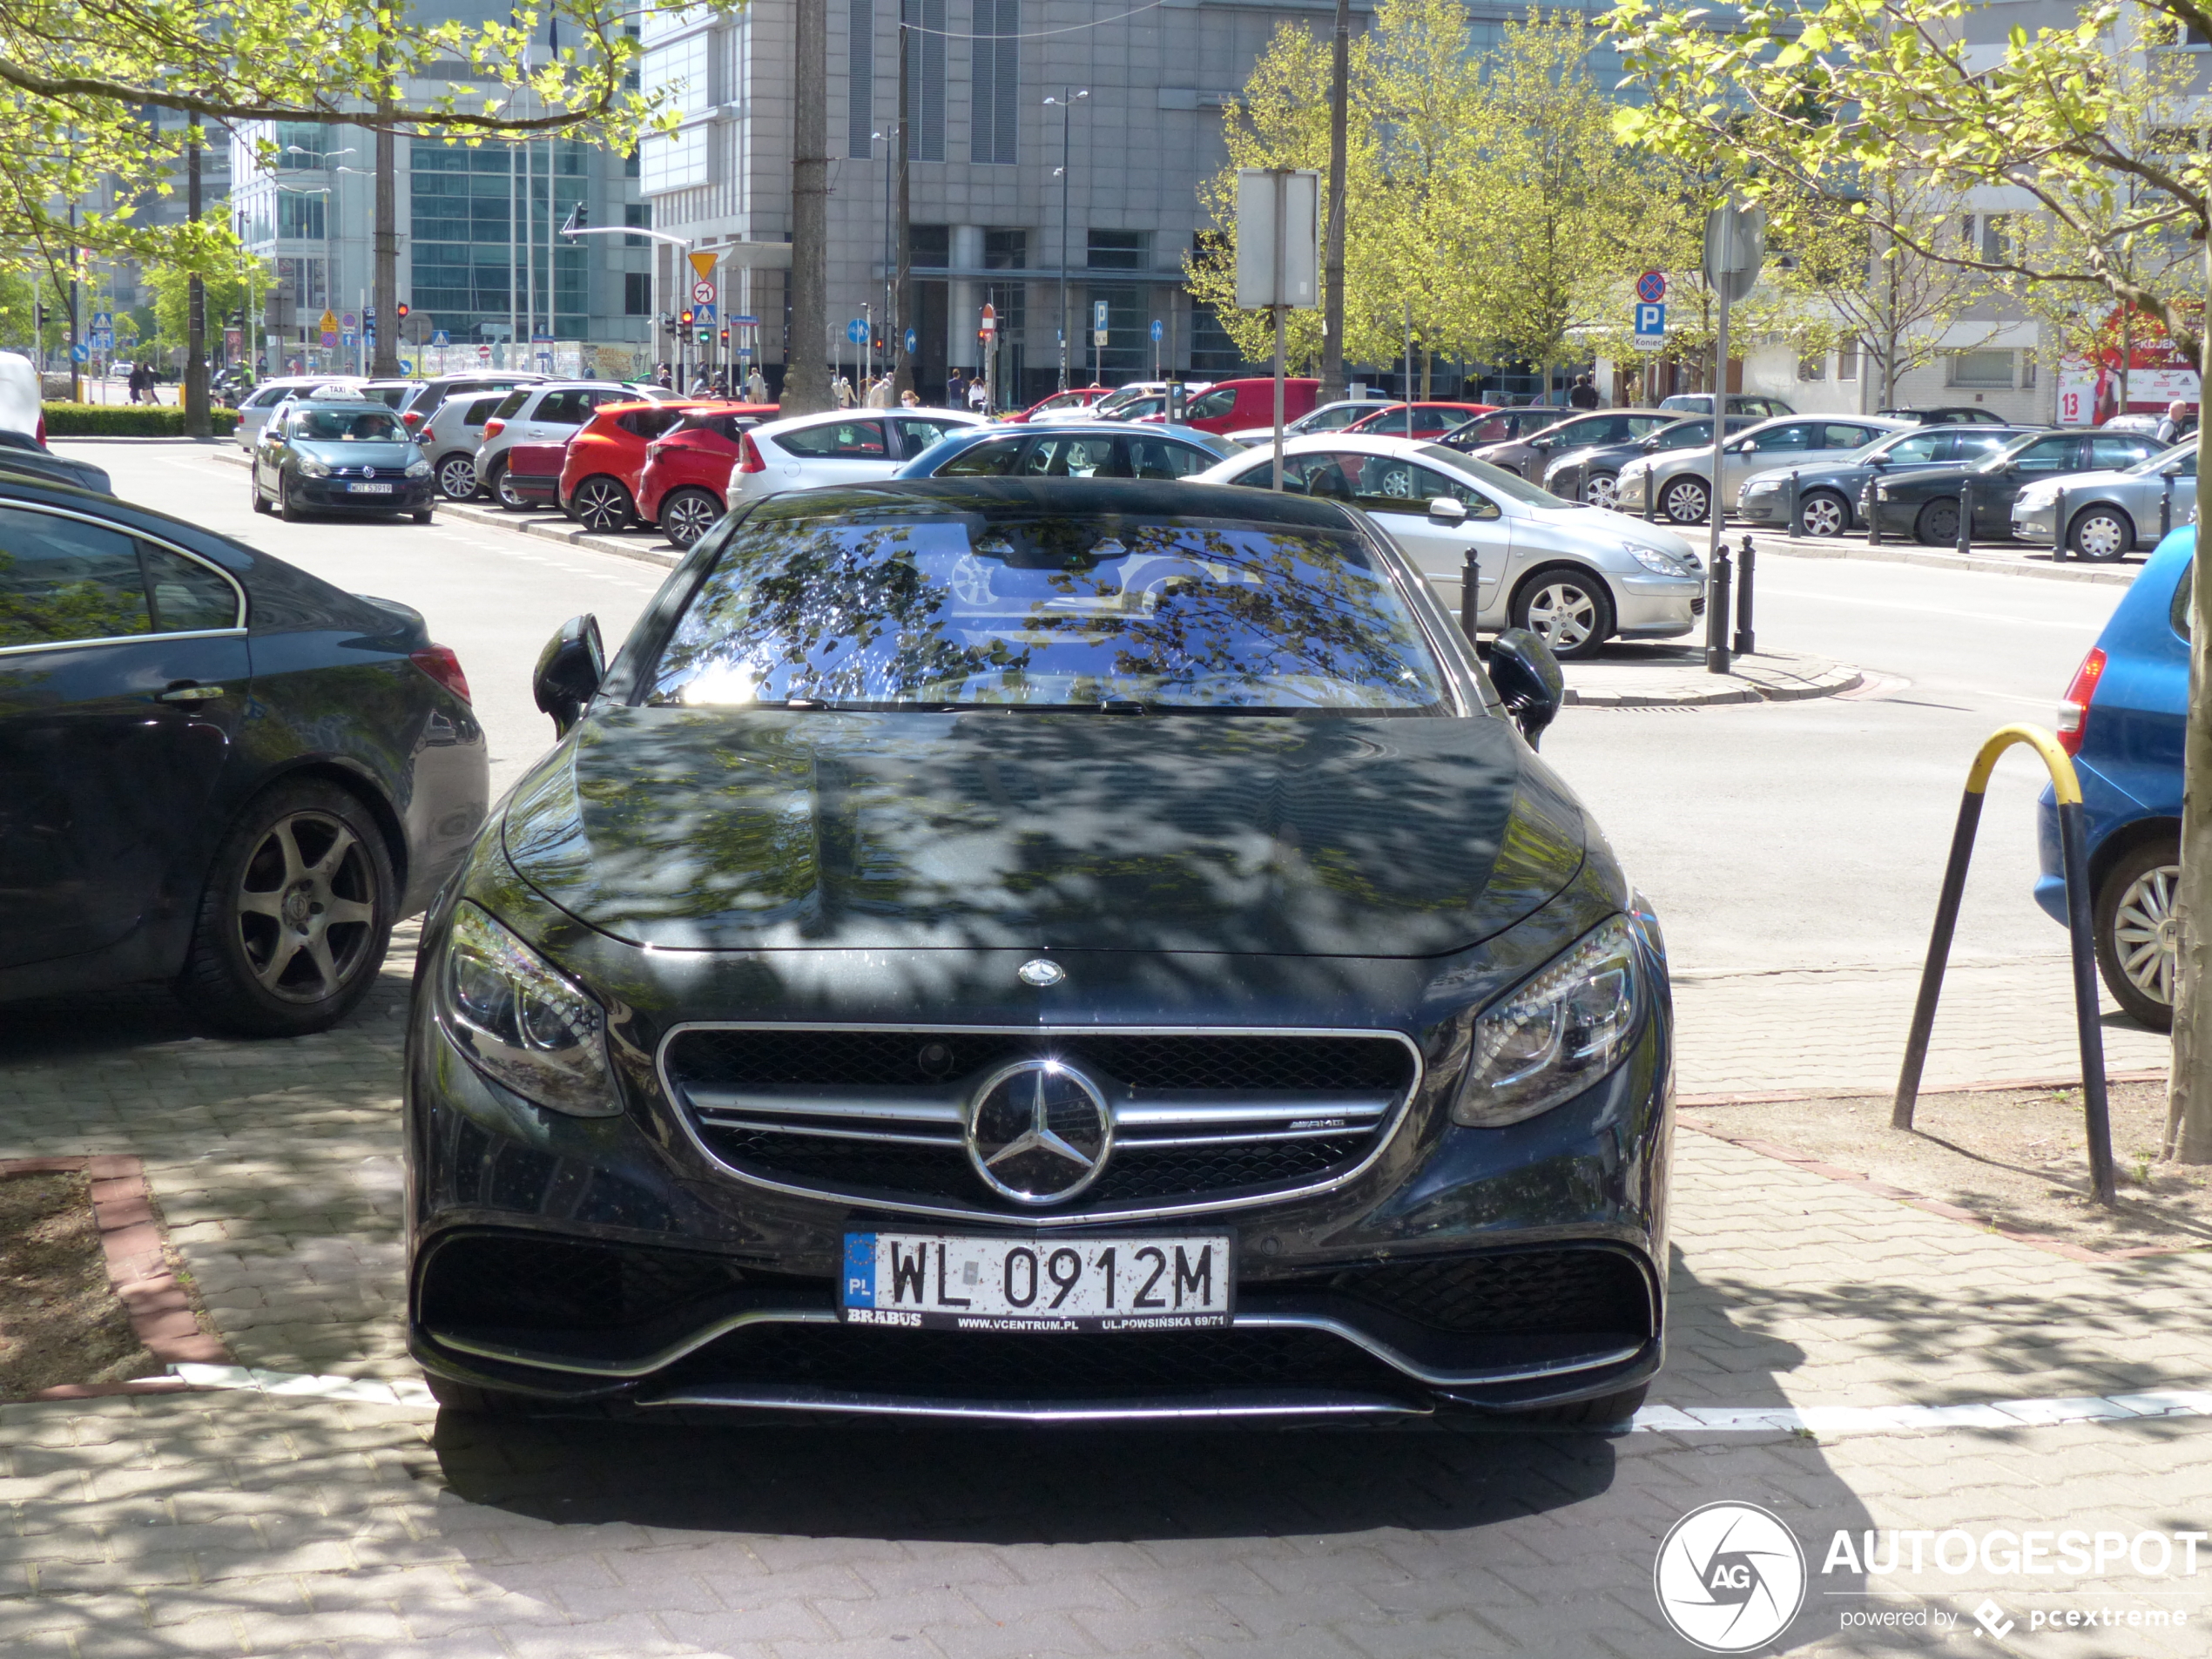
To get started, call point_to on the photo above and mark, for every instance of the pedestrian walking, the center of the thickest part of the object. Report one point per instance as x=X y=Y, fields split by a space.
x=879 y=394
x=910 y=400
x=843 y=390
x=2173 y=428
x=1583 y=394
x=955 y=389
x=664 y=378
x=756 y=386
x=979 y=396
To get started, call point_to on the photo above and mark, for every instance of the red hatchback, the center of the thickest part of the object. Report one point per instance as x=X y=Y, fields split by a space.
x=606 y=461
x=1072 y=401
x=687 y=468
x=1429 y=420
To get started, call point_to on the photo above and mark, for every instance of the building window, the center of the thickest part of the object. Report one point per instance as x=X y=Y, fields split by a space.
x=1119 y=250
x=1006 y=250
x=641 y=215
x=929 y=247
x=1985 y=369
x=675 y=161
x=925 y=79
x=637 y=293
x=312 y=137
x=860 y=80
x=300 y=217
x=997 y=105
x=1211 y=350
x=1847 y=361
x=459 y=203
x=631 y=166
x=1009 y=304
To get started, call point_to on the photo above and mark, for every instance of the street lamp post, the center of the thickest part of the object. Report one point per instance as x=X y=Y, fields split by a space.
x=570 y=230
x=890 y=250
x=1067 y=102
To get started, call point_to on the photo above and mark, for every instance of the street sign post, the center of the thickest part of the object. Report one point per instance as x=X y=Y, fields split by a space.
x=857 y=332
x=441 y=338
x=703 y=292
x=1279 y=255
x=1652 y=327
x=703 y=265
x=1735 y=248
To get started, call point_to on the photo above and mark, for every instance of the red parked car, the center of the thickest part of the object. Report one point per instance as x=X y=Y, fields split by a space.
x=687 y=468
x=606 y=460
x=1430 y=420
x=1229 y=406
x=1080 y=397
x=532 y=473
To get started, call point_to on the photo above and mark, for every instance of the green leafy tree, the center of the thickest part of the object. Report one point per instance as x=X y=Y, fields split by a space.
x=1810 y=106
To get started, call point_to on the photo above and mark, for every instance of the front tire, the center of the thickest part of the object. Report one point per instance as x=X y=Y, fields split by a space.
x=1822 y=514
x=1685 y=501
x=1938 y=525
x=296 y=917
x=1604 y=489
x=421 y=515
x=457 y=478
x=1571 y=610
x=2100 y=535
x=503 y=491
x=260 y=502
x=286 y=510
x=601 y=505
x=687 y=515
x=2133 y=922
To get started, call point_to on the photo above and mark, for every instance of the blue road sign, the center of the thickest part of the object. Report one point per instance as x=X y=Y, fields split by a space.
x=703 y=312
x=103 y=320
x=78 y=353
x=1651 y=287
x=1651 y=324
x=103 y=339
x=913 y=341
x=1159 y=331
x=441 y=338
x=857 y=332
x=745 y=322
x=346 y=340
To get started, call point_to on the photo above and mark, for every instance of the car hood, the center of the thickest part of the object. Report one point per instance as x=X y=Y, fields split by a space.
x=764 y=829
x=395 y=455
x=1596 y=530
x=2111 y=478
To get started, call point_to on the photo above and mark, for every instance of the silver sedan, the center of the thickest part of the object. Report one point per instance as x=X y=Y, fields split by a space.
x=2111 y=514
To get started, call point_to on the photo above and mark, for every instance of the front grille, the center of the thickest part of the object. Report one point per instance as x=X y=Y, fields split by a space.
x=1002 y=1366
x=880 y=1116
x=1563 y=1292
x=528 y=1283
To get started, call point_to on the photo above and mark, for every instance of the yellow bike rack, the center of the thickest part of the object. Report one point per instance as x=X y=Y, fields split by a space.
x=2075 y=862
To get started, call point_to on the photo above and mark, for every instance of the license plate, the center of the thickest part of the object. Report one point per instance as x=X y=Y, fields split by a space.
x=944 y=1281
x=370 y=489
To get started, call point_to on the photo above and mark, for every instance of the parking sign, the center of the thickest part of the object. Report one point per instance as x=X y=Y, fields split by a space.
x=1652 y=327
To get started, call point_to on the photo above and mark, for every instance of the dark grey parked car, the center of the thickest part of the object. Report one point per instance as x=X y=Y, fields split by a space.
x=1591 y=475
x=1828 y=496
x=1531 y=453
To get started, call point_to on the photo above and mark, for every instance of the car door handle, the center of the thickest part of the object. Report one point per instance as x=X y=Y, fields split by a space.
x=189 y=691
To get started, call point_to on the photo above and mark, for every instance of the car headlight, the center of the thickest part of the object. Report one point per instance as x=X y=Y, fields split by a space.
x=1656 y=560
x=1556 y=1032
x=2036 y=495
x=1762 y=487
x=314 y=467
x=522 y=1022
x=418 y=468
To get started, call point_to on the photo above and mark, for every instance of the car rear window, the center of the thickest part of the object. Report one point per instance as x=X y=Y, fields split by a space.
x=510 y=403
x=481 y=411
x=861 y=439
x=1015 y=608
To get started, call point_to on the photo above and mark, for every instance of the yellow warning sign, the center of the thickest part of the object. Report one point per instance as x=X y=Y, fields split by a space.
x=704 y=264
x=329 y=324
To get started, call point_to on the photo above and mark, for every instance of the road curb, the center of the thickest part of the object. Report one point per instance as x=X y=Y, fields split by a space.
x=1987 y=564
x=1759 y=684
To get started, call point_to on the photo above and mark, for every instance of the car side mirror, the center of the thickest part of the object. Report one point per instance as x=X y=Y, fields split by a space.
x=1527 y=678
x=1445 y=510
x=569 y=670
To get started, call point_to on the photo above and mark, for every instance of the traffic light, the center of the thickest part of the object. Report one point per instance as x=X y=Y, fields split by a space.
x=685 y=317
x=726 y=336
x=237 y=318
x=402 y=308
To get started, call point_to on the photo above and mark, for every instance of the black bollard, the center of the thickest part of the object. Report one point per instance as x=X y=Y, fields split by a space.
x=2166 y=510
x=1717 y=640
x=1966 y=514
x=1650 y=498
x=1790 y=525
x=1874 y=511
x=1470 y=592
x=1746 y=641
x=2058 y=525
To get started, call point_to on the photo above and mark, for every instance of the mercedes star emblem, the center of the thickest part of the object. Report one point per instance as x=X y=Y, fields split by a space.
x=1040 y=973
x=1039 y=1131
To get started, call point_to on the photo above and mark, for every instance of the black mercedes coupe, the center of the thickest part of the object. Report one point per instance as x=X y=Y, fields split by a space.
x=1041 y=951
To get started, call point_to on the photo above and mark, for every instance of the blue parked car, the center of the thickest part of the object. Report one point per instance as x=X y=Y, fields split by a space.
x=2122 y=720
x=1071 y=449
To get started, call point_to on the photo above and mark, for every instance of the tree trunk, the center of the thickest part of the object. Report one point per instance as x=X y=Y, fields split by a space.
x=197 y=424
x=805 y=372
x=384 y=280
x=2188 y=1085
x=1332 y=386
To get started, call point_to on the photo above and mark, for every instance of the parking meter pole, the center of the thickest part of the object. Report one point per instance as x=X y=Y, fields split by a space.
x=1716 y=608
x=1715 y=555
x=1746 y=641
x=2058 y=525
x=1966 y=514
x=2065 y=786
x=1470 y=592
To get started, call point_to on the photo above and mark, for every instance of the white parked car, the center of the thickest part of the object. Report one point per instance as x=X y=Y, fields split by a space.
x=1576 y=575
x=843 y=446
x=1679 y=481
x=254 y=413
x=1329 y=417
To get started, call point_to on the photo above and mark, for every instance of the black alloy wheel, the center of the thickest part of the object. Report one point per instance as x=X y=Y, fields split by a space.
x=296 y=915
x=1684 y=501
x=457 y=477
x=1938 y=525
x=1822 y=514
x=2101 y=533
x=688 y=514
x=1571 y=610
x=601 y=505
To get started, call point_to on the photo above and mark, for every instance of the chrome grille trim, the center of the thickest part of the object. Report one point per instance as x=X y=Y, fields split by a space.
x=1377 y=1119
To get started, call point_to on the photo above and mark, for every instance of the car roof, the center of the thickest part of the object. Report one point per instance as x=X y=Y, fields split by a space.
x=1101 y=496
x=792 y=422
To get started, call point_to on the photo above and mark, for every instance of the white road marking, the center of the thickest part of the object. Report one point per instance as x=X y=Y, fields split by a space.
x=1768 y=590
x=1652 y=1419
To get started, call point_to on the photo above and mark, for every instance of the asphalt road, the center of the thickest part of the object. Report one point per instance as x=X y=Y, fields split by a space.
x=1798 y=835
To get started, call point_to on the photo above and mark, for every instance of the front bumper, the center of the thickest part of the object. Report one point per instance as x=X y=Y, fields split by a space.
x=607 y=1260
x=332 y=496
x=1656 y=607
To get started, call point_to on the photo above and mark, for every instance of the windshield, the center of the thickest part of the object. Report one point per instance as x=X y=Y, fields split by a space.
x=1119 y=400
x=1994 y=461
x=1497 y=480
x=377 y=425
x=2166 y=458
x=1015 y=607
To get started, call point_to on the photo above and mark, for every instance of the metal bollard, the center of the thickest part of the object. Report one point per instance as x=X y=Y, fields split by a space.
x=2166 y=510
x=1790 y=525
x=1717 y=600
x=1746 y=641
x=1874 y=513
x=2058 y=525
x=1966 y=514
x=1470 y=592
x=1650 y=498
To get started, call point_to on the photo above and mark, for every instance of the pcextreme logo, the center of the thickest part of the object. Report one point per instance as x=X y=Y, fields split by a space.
x=1729 y=1577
